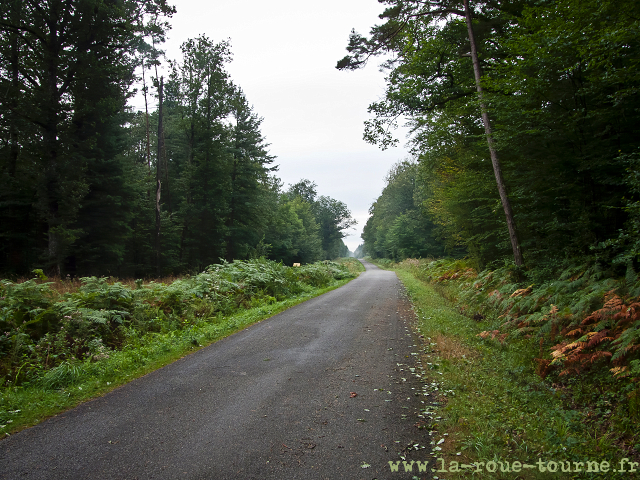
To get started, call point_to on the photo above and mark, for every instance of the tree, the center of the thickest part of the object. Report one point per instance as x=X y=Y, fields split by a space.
x=497 y=168
x=59 y=47
x=17 y=233
x=200 y=94
x=398 y=227
x=248 y=176
x=294 y=234
x=564 y=105
x=557 y=82
x=411 y=25
x=306 y=189
x=334 y=218
x=77 y=178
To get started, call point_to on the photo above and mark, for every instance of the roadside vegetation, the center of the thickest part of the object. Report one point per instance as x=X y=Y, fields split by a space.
x=524 y=178
x=65 y=341
x=528 y=372
x=90 y=184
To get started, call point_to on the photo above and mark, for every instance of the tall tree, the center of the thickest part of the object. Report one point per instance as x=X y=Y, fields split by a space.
x=61 y=45
x=413 y=31
x=495 y=161
x=334 y=219
x=159 y=177
x=202 y=95
x=249 y=172
x=16 y=176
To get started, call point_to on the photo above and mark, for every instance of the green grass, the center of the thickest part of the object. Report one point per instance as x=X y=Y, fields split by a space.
x=73 y=382
x=492 y=405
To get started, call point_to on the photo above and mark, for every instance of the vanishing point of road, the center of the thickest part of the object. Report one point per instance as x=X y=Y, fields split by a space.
x=315 y=392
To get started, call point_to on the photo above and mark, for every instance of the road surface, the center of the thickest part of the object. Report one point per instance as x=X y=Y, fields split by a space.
x=315 y=392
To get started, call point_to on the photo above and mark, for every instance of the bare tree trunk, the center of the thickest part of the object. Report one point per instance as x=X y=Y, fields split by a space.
x=146 y=116
x=506 y=205
x=166 y=175
x=13 y=102
x=50 y=137
x=159 y=175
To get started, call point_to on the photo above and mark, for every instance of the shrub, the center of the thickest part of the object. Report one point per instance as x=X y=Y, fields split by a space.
x=48 y=334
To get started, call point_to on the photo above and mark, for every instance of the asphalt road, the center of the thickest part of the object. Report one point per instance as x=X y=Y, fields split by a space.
x=274 y=401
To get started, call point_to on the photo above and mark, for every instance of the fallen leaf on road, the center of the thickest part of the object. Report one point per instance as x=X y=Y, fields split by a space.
x=353 y=394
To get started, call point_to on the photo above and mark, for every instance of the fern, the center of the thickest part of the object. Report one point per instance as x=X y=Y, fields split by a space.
x=581 y=317
x=50 y=328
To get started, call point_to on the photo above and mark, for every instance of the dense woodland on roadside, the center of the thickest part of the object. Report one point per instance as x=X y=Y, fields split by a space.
x=91 y=186
x=515 y=224
x=560 y=83
x=524 y=124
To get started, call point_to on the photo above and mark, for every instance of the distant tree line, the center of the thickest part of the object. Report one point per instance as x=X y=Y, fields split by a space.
x=398 y=227
x=555 y=110
x=88 y=186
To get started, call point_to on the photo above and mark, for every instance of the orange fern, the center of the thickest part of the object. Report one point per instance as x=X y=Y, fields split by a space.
x=495 y=335
x=608 y=334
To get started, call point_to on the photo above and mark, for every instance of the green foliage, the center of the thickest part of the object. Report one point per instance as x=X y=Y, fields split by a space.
x=78 y=180
x=558 y=82
x=307 y=228
x=50 y=337
x=333 y=218
x=398 y=227
x=65 y=71
x=485 y=384
x=294 y=235
x=579 y=330
x=64 y=375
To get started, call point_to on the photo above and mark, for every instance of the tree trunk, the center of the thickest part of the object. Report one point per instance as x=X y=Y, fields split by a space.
x=15 y=84
x=165 y=163
x=232 y=211
x=50 y=141
x=506 y=205
x=159 y=175
x=185 y=226
x=146 y=116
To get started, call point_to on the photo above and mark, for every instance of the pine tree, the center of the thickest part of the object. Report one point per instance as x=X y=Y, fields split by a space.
x=249 y=172
x=61 y=48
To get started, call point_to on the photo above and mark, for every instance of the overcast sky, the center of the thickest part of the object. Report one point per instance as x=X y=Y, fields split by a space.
x=284 y=57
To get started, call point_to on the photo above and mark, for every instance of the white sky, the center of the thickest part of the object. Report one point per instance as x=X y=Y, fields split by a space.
x=284 y=57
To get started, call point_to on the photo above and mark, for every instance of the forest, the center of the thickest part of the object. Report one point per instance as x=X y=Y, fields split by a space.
x=552 y=116
x=520 y=205
x=514 y=224
x=91 y=186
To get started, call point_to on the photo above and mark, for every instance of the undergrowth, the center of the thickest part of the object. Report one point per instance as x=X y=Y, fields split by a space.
x=546 y=371
x=62 y=344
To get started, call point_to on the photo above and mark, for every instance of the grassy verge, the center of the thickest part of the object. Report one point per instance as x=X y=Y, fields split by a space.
x=50 y=391
x=494 y=409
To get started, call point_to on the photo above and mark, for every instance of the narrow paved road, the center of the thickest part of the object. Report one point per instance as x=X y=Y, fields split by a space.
x=274 y=401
